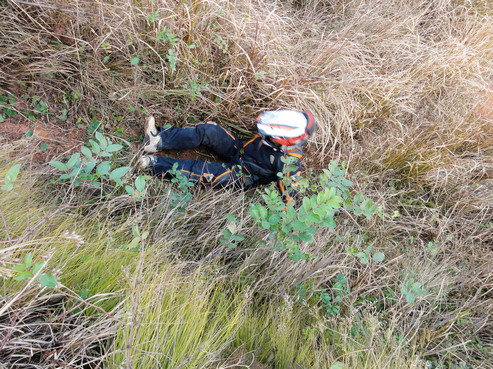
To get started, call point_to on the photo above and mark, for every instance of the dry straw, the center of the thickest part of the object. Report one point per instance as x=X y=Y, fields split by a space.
x=401 y=90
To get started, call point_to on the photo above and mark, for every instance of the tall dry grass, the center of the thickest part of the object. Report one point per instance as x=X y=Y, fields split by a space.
x=401 y=91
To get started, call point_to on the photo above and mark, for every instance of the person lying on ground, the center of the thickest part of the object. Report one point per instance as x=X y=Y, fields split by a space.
x=247 y=164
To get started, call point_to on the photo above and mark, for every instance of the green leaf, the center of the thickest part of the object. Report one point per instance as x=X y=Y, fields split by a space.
x=95 y=147
x=8 y=187
x=47 y=280
x=314 y=218
x=135 y=231
x=114 y=148
x=73 y=159
x=101 y=139
x=263 y=212
x=230 y=217
x=118 y=173
x=379 y=256
x=12 y=173
x=320 y=211
x=254 y=212
x=298 y=226
x=140 y=183
x=238 y=237
x=134 y=60
x=410 y=297
x=23 y=275
x=227 y=234
x=28 y=133
x=306 y=204
x=86 y=152
x=90 y=166
x=28 y=260
x=306 y=237
x=63 y=116
x=37 y=267
x=19 y=268
x=58 y=165
x=311 y=230
x=103 y=168
x=337 y=365
x=329 y=223
x=134 y=243
x=296 y=255
x=363 y=257
x=274 y=219
x=129 y=190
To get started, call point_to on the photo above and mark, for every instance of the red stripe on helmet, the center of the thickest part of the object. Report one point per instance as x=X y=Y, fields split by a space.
x=311 y=121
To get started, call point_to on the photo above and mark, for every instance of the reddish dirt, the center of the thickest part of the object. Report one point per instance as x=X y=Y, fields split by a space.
x=57 y=139
x=200 y=153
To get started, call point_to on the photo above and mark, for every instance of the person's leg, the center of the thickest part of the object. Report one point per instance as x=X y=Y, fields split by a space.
x=215 y=173
x=209 y=134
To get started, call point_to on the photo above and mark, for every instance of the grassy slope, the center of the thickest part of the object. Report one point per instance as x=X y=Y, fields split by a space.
x=399 y=89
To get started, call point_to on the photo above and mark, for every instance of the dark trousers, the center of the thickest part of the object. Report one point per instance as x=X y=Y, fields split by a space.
x=214 y=137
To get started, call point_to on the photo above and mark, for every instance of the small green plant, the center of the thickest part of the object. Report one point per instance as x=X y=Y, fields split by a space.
x=230 y=236
x=366 y=255
x=179 y=199
x=138 y=240
x=93 y=126
x=7 y=106
x=154 y=16
x=139 y=189
x=28 y=270
x=63 y=115
x=432 y=248
x=172 y=55
x=172 y=58
x=194 y=88
x=331 y=301
x=332 y=305
x=79 y=168
x=40 y=106
x=412 y=290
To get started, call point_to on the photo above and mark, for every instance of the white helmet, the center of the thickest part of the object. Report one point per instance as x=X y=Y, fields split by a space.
x=286 y=127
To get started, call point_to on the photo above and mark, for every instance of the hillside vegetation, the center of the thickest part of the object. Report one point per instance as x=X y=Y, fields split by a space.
x=387 y=262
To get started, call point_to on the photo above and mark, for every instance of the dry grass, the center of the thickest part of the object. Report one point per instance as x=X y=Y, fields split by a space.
x=402 y=91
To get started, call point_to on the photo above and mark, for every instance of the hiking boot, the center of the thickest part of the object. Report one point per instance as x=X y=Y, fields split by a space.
x=151 y=139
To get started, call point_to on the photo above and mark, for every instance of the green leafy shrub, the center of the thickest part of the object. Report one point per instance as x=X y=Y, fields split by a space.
x=290 y=225
x=90 y=166
x=30 y=270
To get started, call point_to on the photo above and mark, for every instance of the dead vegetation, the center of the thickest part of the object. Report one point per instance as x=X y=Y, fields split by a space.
x=402 y=91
